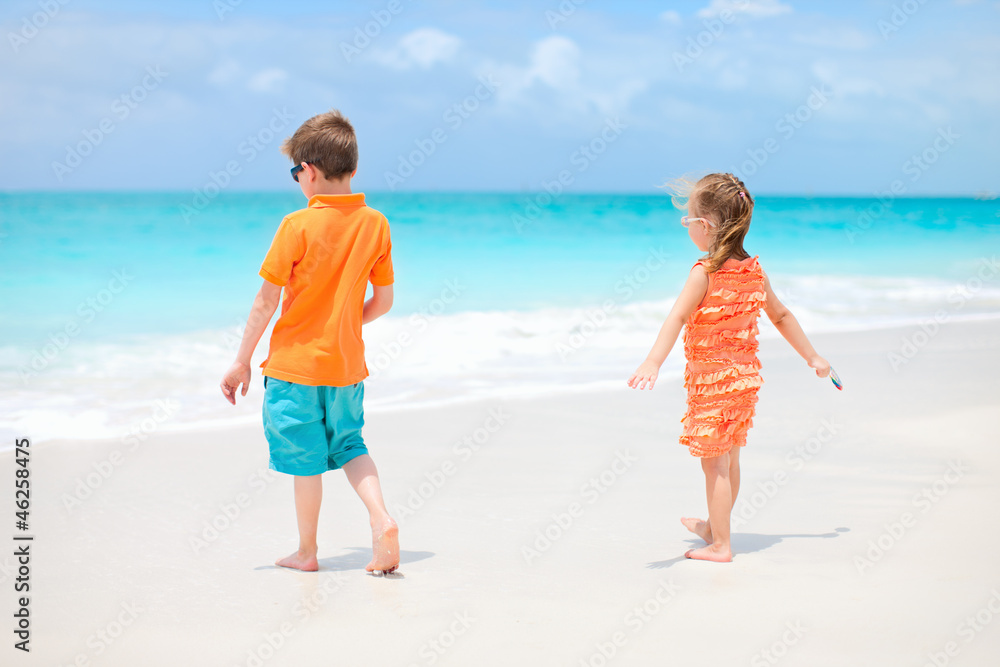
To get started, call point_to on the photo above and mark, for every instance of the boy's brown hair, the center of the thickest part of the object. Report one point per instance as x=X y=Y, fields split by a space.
x=327 y=142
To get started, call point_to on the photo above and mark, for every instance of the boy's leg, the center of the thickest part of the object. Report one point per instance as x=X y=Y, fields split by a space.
x=308 y=496
x=296 y=437
x=720 y=505
x=363 y=476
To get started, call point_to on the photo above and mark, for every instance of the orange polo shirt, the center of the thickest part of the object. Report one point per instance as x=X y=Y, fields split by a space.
x=325 y=256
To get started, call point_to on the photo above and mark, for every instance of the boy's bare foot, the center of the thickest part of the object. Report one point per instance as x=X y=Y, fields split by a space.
x=712 y=553
x=700 y=528
x=300 y=560
x=385 y=548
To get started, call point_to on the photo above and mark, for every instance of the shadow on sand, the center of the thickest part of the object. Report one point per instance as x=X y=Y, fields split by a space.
x=747 y=543
x=357 y=558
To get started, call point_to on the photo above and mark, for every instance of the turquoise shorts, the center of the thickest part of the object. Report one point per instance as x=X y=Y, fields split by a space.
x=311 y=430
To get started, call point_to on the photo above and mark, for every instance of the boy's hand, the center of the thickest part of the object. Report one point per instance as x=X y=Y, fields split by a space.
x=238 y=373
x=821 y=365
x=646 y=373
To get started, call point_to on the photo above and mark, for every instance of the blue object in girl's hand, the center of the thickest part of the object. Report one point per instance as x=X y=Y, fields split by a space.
x=836 y=379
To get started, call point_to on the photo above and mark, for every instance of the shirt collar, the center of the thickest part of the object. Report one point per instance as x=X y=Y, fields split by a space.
x=324 y=201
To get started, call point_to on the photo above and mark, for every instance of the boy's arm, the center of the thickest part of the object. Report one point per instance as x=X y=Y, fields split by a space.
x=789 y=327
x=691 y=295
x=264 y=305
x=378 y=305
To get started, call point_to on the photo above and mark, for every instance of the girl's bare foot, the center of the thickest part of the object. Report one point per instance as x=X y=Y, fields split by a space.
x=300 y=560
x=700 y=528
x=712 y=553
x=385 y=548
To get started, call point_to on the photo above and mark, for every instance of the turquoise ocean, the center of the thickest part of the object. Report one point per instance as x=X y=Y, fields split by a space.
x=119 y=312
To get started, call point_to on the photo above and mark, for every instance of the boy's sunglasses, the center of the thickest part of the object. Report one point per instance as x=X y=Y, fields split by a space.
x=296 y=169
x=687 y=220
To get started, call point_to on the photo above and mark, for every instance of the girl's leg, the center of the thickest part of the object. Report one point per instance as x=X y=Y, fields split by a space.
x=308 y=496
x=720 y=503
x=734 y=472
x=703 y=529
x=363 y=476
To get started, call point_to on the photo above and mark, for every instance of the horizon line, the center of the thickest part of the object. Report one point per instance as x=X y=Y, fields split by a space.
x=978 y=196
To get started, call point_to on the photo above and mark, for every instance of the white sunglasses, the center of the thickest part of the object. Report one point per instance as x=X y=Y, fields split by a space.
x=687 y=220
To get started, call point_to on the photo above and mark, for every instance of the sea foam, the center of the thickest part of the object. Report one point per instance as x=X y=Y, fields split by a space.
x=143 y=384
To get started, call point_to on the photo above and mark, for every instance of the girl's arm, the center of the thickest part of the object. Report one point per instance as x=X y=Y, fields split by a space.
x=788 y=326
x=267 y=301
x=691 y=295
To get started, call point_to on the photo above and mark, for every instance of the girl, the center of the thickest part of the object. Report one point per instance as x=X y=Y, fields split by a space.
x=718 y=307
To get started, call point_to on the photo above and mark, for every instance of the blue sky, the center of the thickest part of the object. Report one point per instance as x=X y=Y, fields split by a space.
x=797 y=97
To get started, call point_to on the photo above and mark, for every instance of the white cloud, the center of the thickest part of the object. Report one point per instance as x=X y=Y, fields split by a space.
x=421 y=48
x=753 y=8
x=671 y=16
x=225 y=72
x=554 y=80
x=555 y=61
x=270 y=80
x=846 y=84
x=845 y=39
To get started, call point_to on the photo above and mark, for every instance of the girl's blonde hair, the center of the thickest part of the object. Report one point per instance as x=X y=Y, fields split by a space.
x=724 y=199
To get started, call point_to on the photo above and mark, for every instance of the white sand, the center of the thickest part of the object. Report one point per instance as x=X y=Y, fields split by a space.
x=116 y=580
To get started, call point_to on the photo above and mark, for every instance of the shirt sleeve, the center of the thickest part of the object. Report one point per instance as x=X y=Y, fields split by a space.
x=286 y=250
x=381 y=273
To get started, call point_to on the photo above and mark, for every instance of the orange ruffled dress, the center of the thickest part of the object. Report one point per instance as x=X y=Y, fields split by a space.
x=720 y=344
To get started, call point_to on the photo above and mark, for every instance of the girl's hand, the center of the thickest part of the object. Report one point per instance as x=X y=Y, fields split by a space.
x=646 y=373
x=821 y=365
x=238 y=373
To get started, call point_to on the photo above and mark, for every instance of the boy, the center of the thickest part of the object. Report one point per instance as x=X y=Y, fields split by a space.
x=323 y=256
